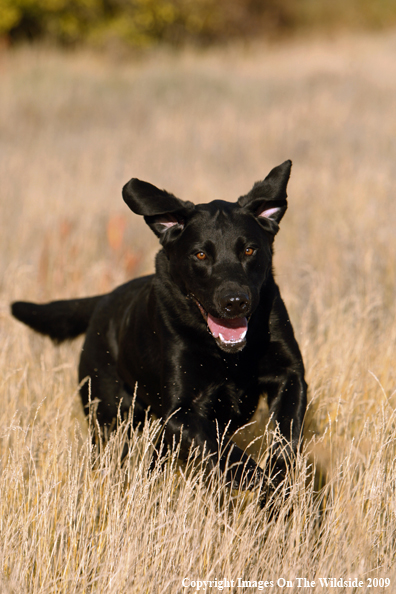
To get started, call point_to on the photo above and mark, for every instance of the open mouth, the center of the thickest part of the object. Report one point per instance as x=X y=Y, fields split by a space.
x=230 y=334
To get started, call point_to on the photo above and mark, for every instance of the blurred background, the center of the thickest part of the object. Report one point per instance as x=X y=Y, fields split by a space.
x=143 y=23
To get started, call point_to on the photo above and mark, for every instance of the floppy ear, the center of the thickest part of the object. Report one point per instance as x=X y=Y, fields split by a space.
x=267 y=200
x=162 y=211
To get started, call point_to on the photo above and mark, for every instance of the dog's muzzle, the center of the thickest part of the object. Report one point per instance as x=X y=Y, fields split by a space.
x=230 y=334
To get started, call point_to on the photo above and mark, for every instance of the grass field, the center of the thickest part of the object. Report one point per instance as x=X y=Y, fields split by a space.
x=73 y=129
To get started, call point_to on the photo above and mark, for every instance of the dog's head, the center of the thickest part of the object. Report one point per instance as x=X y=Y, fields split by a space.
x=220 y=253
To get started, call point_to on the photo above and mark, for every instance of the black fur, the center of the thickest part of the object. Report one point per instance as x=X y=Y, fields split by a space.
x=214 y=271
x=60 y=320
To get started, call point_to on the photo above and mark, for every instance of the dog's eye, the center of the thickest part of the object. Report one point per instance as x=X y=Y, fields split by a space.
x=249 y=251
x=201 y=256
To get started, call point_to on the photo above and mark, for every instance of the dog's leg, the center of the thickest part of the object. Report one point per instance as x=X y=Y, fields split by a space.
x=287 y=402
x=239 y=468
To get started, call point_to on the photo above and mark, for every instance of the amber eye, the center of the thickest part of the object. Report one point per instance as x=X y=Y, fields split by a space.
x=201 y=256
x=249 y=251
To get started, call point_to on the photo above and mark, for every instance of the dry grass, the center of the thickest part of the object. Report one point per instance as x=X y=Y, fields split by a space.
x=73 y=129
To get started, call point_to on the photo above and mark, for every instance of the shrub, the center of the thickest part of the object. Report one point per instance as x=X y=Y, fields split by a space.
x=145 y=22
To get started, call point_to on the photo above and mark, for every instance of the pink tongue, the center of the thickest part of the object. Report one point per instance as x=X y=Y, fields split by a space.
x=230 y=330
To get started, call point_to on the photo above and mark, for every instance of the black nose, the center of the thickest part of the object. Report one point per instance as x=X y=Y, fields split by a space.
x=235 y=304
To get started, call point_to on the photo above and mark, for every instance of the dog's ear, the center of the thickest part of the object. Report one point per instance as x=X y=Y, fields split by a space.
x=162 y=211
x=267 y=200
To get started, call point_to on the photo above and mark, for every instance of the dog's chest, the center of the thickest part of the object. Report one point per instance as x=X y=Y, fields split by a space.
x=227 y=394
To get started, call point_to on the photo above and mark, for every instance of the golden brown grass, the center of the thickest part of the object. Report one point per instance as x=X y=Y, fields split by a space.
x=73 y=129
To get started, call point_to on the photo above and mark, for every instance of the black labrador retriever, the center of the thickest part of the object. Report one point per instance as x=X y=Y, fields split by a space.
x=203 y=337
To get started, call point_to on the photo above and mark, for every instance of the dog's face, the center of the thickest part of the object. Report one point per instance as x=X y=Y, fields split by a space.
x=220 y=254
x=221 y=260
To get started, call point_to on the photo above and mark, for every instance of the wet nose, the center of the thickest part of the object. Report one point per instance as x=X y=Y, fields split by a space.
x=235 y=304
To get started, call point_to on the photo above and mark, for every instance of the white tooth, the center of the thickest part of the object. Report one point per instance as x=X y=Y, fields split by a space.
x=232 y=341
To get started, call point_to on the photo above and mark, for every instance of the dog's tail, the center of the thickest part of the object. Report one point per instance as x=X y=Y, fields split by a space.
x=60 y=320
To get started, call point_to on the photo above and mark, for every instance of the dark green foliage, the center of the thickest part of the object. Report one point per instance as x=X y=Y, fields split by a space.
x=145 y=22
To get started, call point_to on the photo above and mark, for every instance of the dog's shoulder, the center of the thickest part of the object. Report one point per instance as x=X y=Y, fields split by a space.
x=114 y=305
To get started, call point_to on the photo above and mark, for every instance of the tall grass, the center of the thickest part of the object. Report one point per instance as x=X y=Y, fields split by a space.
x=73 y=130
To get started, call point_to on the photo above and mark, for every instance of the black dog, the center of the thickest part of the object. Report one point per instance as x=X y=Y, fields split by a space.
x=204 y=336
